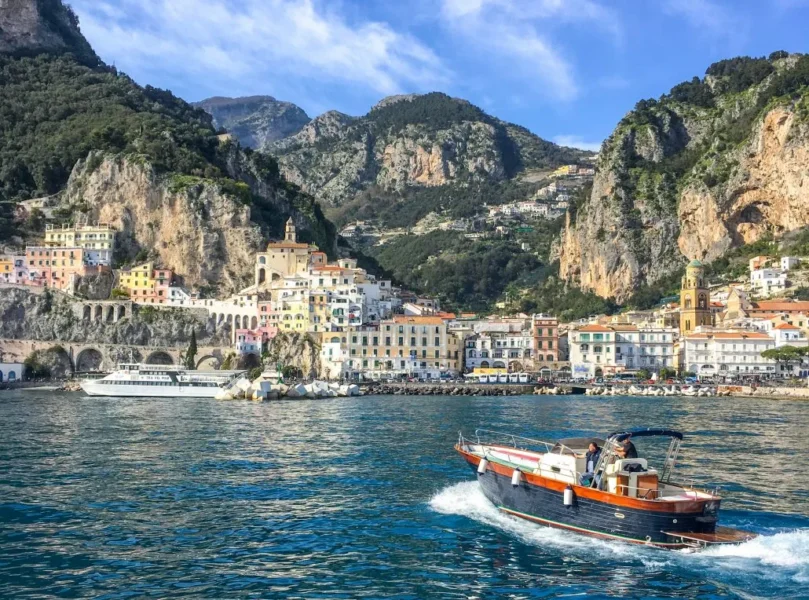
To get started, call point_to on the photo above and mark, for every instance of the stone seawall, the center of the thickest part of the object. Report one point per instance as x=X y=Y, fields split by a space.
x=456 y=389
x=746 y=391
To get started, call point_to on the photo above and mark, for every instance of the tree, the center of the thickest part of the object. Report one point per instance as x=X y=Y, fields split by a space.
x=644 y=374
x=786 y=355
x=666 y=373
x=191 y=354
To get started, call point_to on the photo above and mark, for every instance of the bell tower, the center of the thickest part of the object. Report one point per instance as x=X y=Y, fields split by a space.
x=694 y=299
x=289 y=234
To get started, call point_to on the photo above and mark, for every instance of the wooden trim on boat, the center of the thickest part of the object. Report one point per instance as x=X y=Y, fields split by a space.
x=671 y=506
x=591 y=532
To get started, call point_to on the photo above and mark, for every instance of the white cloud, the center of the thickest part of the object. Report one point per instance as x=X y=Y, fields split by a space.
x=575 y=141
x=517 y=32
x=709 y=16
x=221 y=41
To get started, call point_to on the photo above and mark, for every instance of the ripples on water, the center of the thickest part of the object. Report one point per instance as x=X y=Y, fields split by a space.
x=365 y=498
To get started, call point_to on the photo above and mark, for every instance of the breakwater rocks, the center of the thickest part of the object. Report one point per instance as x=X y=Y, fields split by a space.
x=453 y=389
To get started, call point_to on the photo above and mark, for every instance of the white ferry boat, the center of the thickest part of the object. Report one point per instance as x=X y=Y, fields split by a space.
x=150 y=381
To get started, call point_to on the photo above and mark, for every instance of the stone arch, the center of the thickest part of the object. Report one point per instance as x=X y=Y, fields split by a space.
x=275 y=277
x=238 y=322
x=159 y=357
x=120 y=312
x=208 y=363
x=110 y=316
x=499 y=364
x=484 y=364
x=88 y=360
x=549 y=357
x=335 y=340
x=230 y=321
x=516 y=366
x=98 y=312
x=599 y=372
x=87 y=312
x=220 y=319
x=254 y=323
x=262 y=275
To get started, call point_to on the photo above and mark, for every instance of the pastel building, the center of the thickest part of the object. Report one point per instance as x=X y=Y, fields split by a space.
x=147 y=285
x=546 y=338
x=57 y=267
x=97 y=240
x=403 y=346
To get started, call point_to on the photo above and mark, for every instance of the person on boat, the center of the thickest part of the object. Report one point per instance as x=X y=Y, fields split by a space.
x=627 y=449
x=590 y=462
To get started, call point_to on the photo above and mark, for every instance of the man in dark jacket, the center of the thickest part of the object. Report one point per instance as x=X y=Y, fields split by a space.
x=590 y=462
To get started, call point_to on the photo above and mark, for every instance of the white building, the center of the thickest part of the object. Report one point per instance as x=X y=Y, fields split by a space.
x=789 y=262
x=785 y=334
x=766 y=282
x=11 y=372
x=512 y=351
x=728 y=354
x=597 y=350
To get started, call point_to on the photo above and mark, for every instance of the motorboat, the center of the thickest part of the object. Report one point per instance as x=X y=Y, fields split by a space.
x=625 y=499
x=167 y=381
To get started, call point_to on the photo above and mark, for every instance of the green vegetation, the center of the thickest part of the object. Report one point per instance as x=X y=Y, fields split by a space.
x=463 y=273
x=465 y=198
x=564 y=300
x=436 y=111
x=56 y=109
x=33 y=367
x=786 y=354
x=190 y=356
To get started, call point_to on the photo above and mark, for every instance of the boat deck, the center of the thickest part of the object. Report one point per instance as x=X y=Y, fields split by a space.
x=722 y=535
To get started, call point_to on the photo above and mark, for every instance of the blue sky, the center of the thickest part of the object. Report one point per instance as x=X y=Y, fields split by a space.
x=566 y=69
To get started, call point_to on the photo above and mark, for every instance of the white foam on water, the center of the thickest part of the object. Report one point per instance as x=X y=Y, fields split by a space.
x=786 y=553
x=466 y=499
x=781 y=555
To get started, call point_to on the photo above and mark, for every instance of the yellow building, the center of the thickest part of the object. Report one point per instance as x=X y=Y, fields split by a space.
x=283 y=259
x=145 y=284
x=98 y=240
x=294 y=313
x=695 y=309
x=421 y=346
x=6 y=268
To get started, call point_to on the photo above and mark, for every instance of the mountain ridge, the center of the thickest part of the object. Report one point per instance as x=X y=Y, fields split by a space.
x=102 y=147
x=716 y=163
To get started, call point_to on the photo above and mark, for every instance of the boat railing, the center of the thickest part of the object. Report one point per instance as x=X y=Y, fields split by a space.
x=491 y=437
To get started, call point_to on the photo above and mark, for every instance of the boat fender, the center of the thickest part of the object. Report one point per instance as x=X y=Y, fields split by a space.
x=482 y=466
x=516 y=477
x=568 y=497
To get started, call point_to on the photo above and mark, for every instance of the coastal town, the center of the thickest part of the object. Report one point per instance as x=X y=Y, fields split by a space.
x=367 y=329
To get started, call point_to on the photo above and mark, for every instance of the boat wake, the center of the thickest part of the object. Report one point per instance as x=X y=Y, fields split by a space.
x=776 y=556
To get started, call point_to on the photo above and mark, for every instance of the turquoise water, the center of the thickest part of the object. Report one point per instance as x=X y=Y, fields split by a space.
x=365 y=498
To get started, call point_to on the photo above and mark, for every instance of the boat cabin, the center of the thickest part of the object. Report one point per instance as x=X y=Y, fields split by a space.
x=564 y=461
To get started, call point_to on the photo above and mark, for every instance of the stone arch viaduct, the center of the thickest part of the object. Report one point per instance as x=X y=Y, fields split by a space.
x=86 y=357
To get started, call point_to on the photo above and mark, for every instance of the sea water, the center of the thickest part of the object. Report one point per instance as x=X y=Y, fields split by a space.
x=365 y=498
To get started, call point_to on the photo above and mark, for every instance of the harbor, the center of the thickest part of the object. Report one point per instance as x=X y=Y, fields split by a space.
x=211 y=499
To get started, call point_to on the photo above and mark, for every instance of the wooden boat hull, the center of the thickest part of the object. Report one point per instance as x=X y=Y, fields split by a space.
x=594 y=512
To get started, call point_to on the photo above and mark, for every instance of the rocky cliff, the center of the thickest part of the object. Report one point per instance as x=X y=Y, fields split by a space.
x=207 y=230
x=137 y=157
x=414 y=141
x=51 y=317
x=31 y=26
x=715 y=163
x=256 y=121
